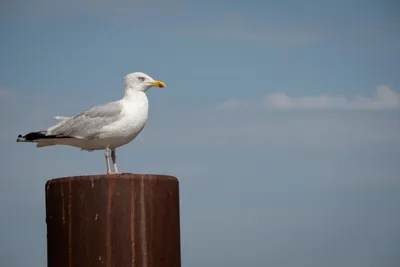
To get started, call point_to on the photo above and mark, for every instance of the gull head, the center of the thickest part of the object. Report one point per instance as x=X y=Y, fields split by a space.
x=139 y=81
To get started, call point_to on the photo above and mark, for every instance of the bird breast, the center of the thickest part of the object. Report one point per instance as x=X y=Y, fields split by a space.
x=132 y=119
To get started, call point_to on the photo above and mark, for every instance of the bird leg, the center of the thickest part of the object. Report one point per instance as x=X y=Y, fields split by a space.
x=107 y=161
x=114 y=160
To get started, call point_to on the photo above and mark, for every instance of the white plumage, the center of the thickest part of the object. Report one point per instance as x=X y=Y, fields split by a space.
x=102 y=127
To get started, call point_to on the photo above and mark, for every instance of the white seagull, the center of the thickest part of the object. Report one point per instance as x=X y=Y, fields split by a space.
x=102 y=127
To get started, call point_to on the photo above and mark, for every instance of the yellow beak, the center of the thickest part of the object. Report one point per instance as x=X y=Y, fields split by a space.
x=158 y=84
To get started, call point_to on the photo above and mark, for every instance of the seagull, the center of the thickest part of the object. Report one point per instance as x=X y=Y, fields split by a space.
x=103 y=127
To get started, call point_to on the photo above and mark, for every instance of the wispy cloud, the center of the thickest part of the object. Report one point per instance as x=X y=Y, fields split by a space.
x=384 y=98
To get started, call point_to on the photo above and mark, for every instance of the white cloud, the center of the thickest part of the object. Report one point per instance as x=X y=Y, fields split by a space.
x=251 y=124
x=384 y=98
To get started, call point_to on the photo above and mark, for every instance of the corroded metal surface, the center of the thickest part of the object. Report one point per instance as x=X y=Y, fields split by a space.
x=124 y=220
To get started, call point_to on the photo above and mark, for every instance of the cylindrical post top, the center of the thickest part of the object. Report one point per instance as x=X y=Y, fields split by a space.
x=112 y=176
x=113 y=220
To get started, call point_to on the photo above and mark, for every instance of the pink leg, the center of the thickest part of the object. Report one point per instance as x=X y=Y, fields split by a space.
x=107 y=161
x=114 y=160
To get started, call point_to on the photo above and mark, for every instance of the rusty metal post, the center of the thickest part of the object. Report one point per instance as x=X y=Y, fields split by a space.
x=121 y=220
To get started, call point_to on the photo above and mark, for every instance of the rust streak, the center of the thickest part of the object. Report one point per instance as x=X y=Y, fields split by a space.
x=132 y=220
x=62 y=205
x=143 y=222
x=109 y=199
x=69 y=224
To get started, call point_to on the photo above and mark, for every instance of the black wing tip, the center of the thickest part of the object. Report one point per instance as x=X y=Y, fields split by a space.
x=20 y=138
x=32 y=136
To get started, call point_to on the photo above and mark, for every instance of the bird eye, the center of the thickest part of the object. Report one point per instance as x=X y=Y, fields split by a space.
x=141 y=79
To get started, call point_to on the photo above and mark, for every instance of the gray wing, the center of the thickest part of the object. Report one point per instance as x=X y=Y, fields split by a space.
x=88 y=124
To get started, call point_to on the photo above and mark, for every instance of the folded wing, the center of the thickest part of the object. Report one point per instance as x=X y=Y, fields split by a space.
x=88 y=124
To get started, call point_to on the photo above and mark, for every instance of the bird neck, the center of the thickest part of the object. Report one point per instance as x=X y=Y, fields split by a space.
x=134 y=94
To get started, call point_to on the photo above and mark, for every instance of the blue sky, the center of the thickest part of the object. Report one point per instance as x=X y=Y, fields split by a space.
x=280 y=118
